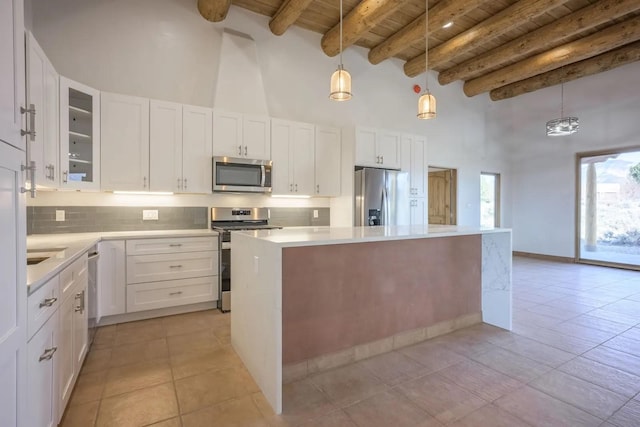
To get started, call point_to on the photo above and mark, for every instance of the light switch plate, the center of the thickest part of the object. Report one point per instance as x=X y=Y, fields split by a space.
x=60 y=215
x=149 y=214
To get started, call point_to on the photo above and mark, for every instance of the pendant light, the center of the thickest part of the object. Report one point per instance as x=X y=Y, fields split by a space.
x=564 y=125
x=427 y=102
x=340 y=79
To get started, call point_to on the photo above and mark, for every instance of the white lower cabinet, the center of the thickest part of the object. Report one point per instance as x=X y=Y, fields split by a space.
x=152 y=295
x=418 y=211
x=42 y=381
x=111 y=278
x=64 y=361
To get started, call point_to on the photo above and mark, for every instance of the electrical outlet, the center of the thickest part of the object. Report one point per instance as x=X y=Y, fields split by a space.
x=149 y=214
x=315 y=213
x=60 y=216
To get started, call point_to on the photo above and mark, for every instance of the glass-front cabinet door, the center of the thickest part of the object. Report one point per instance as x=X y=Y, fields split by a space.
x=79 y=136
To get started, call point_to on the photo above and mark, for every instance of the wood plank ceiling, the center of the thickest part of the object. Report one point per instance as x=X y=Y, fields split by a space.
x=504 y=47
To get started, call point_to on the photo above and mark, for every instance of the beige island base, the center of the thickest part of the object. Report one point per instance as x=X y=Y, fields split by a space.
x=310 y=299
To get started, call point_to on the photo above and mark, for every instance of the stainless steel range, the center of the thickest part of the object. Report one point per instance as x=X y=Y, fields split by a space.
x=224 y=221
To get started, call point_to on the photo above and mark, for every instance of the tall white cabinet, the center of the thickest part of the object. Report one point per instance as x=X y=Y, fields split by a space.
x=13 y=293
x=165 y=147
x=328 y=151
x=414 y=162
x=196 y=149
x=124 y=130
x=43 y=93
x=293 y=155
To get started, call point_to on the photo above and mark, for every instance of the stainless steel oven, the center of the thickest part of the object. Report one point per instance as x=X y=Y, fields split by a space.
x=238 y=175
x=224 y=221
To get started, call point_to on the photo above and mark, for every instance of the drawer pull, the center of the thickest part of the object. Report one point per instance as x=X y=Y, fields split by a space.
x=48 y=354
x=175 y=266
x=176 y=293
x=175 y=245
x=48 y=302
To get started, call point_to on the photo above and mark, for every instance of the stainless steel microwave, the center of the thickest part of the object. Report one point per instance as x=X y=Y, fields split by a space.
x=238 y=175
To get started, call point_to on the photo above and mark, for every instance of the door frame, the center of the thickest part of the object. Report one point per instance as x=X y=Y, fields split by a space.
x=453 y=190
x=578 y=213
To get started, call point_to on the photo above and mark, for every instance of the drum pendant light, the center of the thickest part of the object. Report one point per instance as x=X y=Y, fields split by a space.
x=427 y=102
x=340 y=79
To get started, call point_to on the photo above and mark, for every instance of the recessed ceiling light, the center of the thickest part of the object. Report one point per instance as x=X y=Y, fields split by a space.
x=448 y=24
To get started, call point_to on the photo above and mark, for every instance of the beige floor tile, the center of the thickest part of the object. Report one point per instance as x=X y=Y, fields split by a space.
x=608 y=377
x=240 y=412
x=303 y=401
x=188 y=364
x=432 y=356
x=139 y=352
x=196 y=342
x=511 y=364
x=589 y=397
x=617 y=359
x=633 y=333
x=88 y=388
x=464 y=343
x=540 y=409
x=389 y=409
x=211 y=388
x=580 y=331
x=139 y=408
x=127 y=378
x=598 y=323
x=81 y=415
x=537 y=351
x=335 y=419
x=173 y=422
x=393 y=368
x=136 y=332
x=105 y=337
x=477 y=378
x=556 y=339
x=625 y=344
x=190 y=322
x=490 y=416
x=628 y=415
x=223 y=334
x=348 y=384
x=97 y=360
x=441 y=398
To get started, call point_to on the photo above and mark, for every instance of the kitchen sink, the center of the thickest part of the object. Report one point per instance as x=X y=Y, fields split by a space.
x=36 y=256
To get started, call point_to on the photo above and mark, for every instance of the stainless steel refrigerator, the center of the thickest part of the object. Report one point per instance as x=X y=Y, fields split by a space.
x=381 y=197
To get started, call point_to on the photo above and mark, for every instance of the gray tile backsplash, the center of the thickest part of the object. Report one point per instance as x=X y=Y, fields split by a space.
x=85 y=219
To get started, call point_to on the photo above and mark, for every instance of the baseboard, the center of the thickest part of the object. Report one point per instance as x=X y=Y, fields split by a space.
x=150 y=314
x=544 y=257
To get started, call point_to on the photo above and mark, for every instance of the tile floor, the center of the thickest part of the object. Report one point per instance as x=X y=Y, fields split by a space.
x=573 y=359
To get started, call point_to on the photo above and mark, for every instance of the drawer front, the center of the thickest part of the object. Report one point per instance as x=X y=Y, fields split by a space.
x=171 y=245
x=69 y=275
x=42 y=304
x=149 y=296
x=153 y=268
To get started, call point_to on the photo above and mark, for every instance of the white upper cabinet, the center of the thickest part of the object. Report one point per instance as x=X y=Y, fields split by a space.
x=11 y=76
x=238 y=135
x=79 y=136
x=125 y=142
x=43 y=93
x=165 y=146
x=414 y=162
x=328 y=161
x=293 y=156
x=196 y=149
x=377 y=148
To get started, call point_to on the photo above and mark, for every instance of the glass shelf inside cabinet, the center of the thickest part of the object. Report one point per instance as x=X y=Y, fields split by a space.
x=80 y=136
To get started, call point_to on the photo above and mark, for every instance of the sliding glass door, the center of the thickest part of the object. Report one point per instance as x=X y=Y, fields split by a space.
x=609 y=208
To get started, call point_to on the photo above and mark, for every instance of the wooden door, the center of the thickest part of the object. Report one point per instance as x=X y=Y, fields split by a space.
x=440 y=198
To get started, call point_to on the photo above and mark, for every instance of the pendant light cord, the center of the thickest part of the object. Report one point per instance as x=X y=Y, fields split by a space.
x=562 y=100
x=341 y=34
x=426 y=42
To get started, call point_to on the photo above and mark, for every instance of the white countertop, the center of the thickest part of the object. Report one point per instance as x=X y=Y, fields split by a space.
x=76 y=244
x=312 y=236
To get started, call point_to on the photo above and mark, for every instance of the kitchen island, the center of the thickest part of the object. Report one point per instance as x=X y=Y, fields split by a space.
x=312 y=298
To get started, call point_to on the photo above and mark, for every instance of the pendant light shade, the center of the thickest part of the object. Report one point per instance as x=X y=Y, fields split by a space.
x=340 y=85
x=427 y=106
x=427 y=102
x=340 y=79
x=564 y=125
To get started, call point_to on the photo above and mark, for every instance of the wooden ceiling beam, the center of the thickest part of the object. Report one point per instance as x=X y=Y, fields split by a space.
x=500 y=23
x=366 y=15
x=443 y=12
x=535 y=41
x=598 y=64
x=287 y=15
x=214 y=10
x=587 y=47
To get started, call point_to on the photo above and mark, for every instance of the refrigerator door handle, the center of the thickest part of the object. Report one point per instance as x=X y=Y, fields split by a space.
x=385 y=207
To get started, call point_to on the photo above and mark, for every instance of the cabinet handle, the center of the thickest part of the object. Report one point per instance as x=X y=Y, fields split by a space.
x=296 y=188
x=175 y=293
x=179 y=183
x=185 y=183
x=175 y=245
x=239 y=150
x=377 y=159
x=382 y=159
x=31 y=170
x=80 y=308
x=175 y=266
x=291 y=188
x=48 y=302
x=48 y=354
x=245 y=150
x=65 y=175
x=318 y=188
x=53 y=172
x=144 y=182
x=31 y=131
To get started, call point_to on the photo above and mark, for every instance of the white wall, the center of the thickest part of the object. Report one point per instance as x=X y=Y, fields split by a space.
x=164 y=49
x=544 y=169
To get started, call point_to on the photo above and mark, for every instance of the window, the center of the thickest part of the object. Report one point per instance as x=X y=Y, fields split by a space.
x=489 y=200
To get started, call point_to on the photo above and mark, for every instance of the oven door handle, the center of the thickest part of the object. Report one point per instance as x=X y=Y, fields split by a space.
x=225 y=245
x=264 y=175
